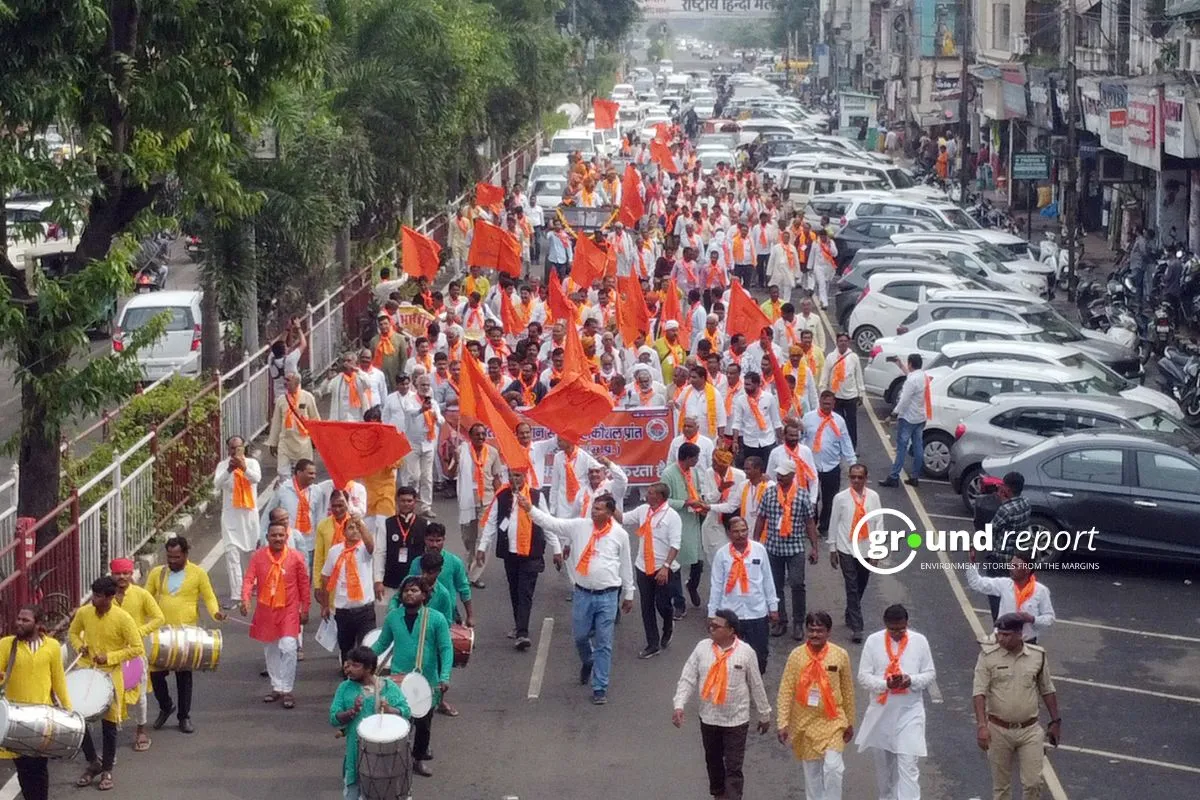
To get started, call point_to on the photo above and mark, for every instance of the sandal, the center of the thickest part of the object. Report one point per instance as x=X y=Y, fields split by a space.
x=447 y=710
x=106 y=782
x=271 y=697
x=289 y=701
x=142 y=743
x=89 y=774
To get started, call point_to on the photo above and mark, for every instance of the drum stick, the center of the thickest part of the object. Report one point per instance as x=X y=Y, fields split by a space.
x=73 y=663
x=238 y=621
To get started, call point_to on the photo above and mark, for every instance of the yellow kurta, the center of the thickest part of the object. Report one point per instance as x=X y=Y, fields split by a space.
x=812 y=732
x=381 y=492
x=146 y=614
x=34 y=675
x=116 y=636
x=321 y=550
x=183 y=607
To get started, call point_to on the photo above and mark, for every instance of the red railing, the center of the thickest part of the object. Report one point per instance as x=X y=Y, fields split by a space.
x=48 y=576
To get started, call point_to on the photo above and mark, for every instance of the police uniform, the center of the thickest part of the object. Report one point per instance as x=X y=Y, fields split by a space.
x=1012 y=685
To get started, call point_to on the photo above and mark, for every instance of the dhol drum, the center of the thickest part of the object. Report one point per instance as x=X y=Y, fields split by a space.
x=385 y=658
x=39 y=731
x=463 y=640
x=418 y=693
x=384 y=759
x=91 y=692
x=184 y=647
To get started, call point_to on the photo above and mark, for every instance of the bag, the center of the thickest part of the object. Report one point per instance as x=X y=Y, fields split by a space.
x=327 y=634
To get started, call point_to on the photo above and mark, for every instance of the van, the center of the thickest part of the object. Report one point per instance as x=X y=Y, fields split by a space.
x=801 y=185
x=573 y=140
x=178 y=349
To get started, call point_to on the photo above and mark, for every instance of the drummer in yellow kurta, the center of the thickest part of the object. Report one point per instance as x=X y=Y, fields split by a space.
x=148 y=616
x=816 y=707
x=36 y=677
x=105 y=636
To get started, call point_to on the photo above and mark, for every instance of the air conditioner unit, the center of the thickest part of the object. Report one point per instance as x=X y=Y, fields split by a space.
x=870 y=52
x=1020 y=45
x=870 y=67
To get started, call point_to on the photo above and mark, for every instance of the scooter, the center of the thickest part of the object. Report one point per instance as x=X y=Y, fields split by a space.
x=151 y=278
x=1178 y=371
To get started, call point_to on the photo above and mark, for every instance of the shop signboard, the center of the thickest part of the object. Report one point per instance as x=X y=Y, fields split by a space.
x=1030 y=166
x=1178 y=115
x=1142 y=140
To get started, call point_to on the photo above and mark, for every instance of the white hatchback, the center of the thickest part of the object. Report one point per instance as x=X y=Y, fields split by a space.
x=178 y=349
x=890 y=297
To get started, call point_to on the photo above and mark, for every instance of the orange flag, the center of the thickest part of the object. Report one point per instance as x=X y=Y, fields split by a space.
x=508 y=315
x=671 y=309
x=632 y=315
x=574 y=360
x=353 y=450
x=495 y=248
x=561 y=306
x=662 y=132
x=606 y=113
x=589 y=261
x=633 y=208
x=782 y=390
x=573 y=407
x=661 y=155
x=419 y=254
x=744 y=315
x=489 y=194
x=480 y=401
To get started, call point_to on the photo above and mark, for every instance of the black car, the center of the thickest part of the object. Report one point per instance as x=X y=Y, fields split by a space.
x=867 y=232
x=1140 y=490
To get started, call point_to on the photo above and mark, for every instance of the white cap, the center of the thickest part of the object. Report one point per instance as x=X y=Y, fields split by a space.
x=786 y=468
x=671 y=325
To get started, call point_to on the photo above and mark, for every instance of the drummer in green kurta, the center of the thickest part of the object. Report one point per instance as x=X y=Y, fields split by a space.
x=440 y=598
x=688 y=488
x=355 y=700
x=418 y=634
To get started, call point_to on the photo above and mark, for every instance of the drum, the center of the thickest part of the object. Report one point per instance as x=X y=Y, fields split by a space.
x=91 y=692
x=463 y=640
x=183 y=647
x=384 y=760
x=385 y=658
x=40 y=731
x=418 y=693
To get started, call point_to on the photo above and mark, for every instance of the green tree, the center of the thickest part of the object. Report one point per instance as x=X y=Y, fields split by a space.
x=150 y=90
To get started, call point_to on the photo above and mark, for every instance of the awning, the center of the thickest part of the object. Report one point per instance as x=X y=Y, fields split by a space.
x=1180 y=8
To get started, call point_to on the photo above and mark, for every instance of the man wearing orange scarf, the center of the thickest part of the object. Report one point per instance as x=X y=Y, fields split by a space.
x=828 y=437
x=658 y=529
x=1020 y=593
x=785 y=521
x=691 y=491
x=278 y=578
x=896 y=669
x=816 y=708
x=389 y=351
x=480 y=474
x=742 y=583
x=349 y=392
x=848 y=531
x=722 y=668
x=702 y=401
x=288 y=439
x=346 y=587
x=237 y=479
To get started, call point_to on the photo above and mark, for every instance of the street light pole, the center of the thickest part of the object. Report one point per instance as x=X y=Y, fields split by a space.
x=965 y=30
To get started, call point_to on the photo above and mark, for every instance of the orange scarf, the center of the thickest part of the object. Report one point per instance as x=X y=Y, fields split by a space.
x=893 y=667
x=785 y=499
x=243 y=490
x=776 y=313
x=759 y=420
x=303 y=512
x=790 y=252
x=528 y=391
x=430 y=426
x=352 y=386
x=291 y=418
x=729 y=395
x=585 y=558
x=339 y=529
x=524 y=525
x=860 y=511
x=739 y=249
x=737 y=571
x=646 y=531
x=825 y=251
x=692 y=280
x=758 y=496
x=691 y=485
x=645 y=396
x=826 y=421
x=710 y=396
x=478 y=459
x=273 y=593
x=572 y=480
x=803 y=471
x=354 y=589
x=384 y=348
x=474 y=317
x=928 y=398
x=839 y=373
x=1024 y=593
x=716 y=682
x=814 y=673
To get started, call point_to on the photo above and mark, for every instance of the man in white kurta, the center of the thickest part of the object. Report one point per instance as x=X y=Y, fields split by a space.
x=570 y=466
x=237 y=478
x=349 y=392
x=479 y=473
x=896 y=669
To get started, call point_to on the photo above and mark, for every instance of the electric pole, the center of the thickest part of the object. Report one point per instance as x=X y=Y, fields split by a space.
x=1070 y=195
x=965 y=31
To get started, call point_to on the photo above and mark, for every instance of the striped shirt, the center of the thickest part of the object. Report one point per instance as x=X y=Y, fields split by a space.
x=745 y=685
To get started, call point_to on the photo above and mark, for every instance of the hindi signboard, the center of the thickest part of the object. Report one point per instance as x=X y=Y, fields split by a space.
x=1031 y=166
x=708 y=9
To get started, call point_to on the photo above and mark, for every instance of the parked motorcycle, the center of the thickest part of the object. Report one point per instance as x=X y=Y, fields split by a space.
x=1179 y=377
x=151 y=278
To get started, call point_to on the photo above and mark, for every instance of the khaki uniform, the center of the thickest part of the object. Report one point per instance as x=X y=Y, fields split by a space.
x=1012 y=685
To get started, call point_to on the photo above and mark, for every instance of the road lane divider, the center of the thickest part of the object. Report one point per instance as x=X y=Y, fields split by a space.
x=540 y=660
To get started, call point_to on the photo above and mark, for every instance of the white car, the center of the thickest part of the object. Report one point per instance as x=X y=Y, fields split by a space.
x=956 y=393
x=622 y=92
x=890 y=297
x=551 y=164
x=881 y=369
x=985 y=249
x=178 y=349
x=972 y=257
x=709 y=159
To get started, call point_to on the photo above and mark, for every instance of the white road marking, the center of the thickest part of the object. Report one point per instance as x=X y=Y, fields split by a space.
x=952 y=516
x=1097 y=626
x=1135 y=759
x=956 y=587
x=539 y=661
x=1132 y=690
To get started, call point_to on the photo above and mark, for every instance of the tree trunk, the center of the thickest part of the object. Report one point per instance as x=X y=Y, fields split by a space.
x=39 y=458
x=341 y=249
x=250 y=303
x=210 y=331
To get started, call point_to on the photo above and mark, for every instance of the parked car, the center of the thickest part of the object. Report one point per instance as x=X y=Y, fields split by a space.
x=889 y=298
x=868 y=232
x=1140 y=490
x=849 y=287
x=1010 y=424
x=547 y=191
x=178 y=349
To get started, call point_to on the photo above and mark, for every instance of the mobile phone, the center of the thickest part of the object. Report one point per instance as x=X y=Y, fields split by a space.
x=891 y=358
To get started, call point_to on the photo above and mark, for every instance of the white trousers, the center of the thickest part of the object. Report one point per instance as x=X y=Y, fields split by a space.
x=823 y=277
x=233 y=566
x=281 y=664
x=417 y=472
x=823 y=776
x=377 y=524
x=139 y=713
x=896 y=775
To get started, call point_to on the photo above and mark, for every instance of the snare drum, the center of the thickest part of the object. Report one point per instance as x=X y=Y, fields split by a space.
x=384 y=762
x=463 y=640
x=385 y=658
x=91 y=692
x=39 y=731
x=184 y=647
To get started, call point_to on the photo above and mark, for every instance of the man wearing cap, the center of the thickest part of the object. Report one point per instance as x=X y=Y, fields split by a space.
x=1010 y=675
x=671 y=351
x=785 y=518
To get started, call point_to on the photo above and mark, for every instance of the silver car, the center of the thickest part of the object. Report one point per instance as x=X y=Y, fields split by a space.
x=1011 y=423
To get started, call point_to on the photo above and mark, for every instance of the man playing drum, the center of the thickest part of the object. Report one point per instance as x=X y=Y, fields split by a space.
x=33 y=670
x=355 y=700
x=105 y=636
x=179 y=587
x=140 y=605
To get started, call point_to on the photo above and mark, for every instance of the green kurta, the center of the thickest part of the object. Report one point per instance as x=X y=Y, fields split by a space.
x=343 y=700
x=442 y=600
x=439 y=652
x=689 y=543
x=453 y=575
x=393 y=364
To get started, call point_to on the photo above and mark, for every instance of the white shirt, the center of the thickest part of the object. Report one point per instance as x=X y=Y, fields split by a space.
x=853 y=386
x=468 y=498
x=341 y=594
x=239 y=526
x=280 y=367
x=560 y=505
x=539 y=453
x=911 y=405
x=417 y=427
x=745 y=423
x=781 y=455
x=694 y=403
x=666 y=528
x=757 y=235
x=712 y=532
x=752 y=358
x=1038 y=605
x=615 y=484
x=285 y=497
x=611 y=564
x=705 y=444
x=338 y=388
x=744 y=685
x=749 y=500
x=377 y=388
x=810 y=323
x=509 y=526
x=841 y=516
x=755 y=604
x=817 y=259
x=897 y=726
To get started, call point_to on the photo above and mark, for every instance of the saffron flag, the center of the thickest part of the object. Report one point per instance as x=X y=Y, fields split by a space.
x=420 y=255
x=574 y=361
x=561 y=306
x=480 y=401
x=633 y=317
x=671 y=309
x=353 y=450
x=662 y=132
x=661 y=155
x=573 y=407
x=589 y=262
x=782 y=390
x=606 y=113
x=508 y=315
x=744 y=315
x=495 y=248
x=489 y=194
x=633 y=208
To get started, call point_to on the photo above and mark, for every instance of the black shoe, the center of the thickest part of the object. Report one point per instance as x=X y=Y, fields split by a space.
x=889 y=483
x=185 y=725
x=779 y=629
x=420 y=768
x=913 y=481
x=585 y=674
x=523 y=643
x=648 y=652
x=798 y=631
x=694 y=595
x=856 y=637
x=163 y=716
x=264 y=674
x=679 y=614
x=666 y=641
x=599 y=697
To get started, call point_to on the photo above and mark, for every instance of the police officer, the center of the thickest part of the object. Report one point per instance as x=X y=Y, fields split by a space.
x=1010 y=675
